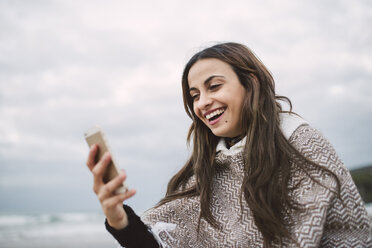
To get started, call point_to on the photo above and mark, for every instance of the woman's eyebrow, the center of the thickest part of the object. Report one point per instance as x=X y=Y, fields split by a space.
x=207 y=81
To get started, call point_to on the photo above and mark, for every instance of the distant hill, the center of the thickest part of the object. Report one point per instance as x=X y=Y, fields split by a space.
x=363 y=180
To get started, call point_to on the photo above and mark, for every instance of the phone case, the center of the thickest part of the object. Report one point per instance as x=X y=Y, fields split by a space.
x=95 y=136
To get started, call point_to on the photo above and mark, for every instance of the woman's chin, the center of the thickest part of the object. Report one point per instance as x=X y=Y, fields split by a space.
x=220 y=133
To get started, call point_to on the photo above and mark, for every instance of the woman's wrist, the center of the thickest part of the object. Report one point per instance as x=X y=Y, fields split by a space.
x=120 y=224
x=135 y=234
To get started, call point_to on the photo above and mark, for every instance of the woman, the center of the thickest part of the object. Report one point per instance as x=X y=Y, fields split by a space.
x=258 y=176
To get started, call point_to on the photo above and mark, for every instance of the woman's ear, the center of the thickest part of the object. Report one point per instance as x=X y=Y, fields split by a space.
x=255 y=79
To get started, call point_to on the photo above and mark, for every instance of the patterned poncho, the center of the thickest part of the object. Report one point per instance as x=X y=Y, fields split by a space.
x=328 y=221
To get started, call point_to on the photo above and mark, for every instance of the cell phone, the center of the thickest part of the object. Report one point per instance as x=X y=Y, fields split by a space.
x=95 y=135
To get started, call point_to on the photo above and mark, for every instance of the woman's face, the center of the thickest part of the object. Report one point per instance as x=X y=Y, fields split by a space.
x=217 y=95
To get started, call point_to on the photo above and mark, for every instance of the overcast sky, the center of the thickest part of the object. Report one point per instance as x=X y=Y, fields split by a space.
x=68 y=65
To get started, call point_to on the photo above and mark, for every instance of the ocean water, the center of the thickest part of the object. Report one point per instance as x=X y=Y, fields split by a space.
x=54 y=231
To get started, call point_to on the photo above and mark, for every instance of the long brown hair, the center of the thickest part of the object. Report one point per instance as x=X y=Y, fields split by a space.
x=267 y=153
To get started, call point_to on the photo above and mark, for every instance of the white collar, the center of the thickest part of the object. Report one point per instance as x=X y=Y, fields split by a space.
x=235 y=149
x=288 y=124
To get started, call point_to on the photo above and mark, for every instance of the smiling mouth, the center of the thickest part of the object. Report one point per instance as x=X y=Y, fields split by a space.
x=215 y=114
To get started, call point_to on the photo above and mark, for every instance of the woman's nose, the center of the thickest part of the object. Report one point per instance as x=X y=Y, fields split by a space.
x=204 y=101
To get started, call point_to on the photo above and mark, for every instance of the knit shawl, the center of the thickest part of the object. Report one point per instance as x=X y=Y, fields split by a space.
x=328 y=221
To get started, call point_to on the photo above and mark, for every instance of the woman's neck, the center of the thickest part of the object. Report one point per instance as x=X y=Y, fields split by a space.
x=232 y=141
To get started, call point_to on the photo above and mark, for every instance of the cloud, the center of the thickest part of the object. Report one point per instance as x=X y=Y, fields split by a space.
x=66 y=66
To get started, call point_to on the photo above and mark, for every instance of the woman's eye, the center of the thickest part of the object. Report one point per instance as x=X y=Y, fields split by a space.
x=194 y=97
x=214 y=86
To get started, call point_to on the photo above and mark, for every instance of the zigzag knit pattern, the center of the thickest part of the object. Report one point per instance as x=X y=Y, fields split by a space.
x=328 y=221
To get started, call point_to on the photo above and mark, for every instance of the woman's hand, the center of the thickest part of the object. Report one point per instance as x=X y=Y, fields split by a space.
x=111 y=203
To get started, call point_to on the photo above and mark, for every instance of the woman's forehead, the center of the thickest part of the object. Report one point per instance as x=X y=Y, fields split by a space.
x=205 y=68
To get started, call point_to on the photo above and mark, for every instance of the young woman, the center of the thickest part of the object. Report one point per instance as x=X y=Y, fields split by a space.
x=258 y=176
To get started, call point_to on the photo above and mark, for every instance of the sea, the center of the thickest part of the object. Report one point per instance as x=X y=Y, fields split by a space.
x=54 y=231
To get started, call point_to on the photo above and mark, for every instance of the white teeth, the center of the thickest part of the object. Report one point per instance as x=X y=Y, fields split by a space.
x=214 y=113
